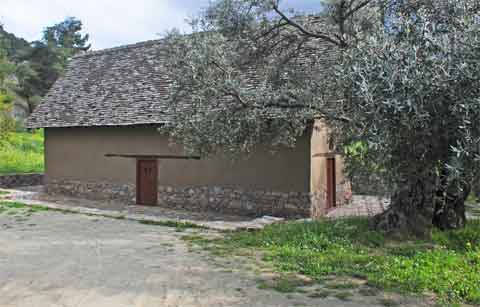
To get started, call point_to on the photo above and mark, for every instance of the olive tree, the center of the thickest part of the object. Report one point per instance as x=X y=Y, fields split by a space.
x=415 y=100
x=250 y=73
x=399 y=77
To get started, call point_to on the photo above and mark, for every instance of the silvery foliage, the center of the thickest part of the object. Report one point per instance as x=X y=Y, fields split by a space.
x=415 y=94
x=398 y=77
x=250 y=73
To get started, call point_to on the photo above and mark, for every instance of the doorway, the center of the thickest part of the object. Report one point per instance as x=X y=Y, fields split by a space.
x=147 y=182
x=331 y=183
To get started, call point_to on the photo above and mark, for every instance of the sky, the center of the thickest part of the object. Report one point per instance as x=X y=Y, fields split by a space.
x=110 y=23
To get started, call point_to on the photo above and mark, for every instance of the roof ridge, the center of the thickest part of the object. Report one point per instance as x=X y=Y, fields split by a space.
x=159 y=40
x=118 y=48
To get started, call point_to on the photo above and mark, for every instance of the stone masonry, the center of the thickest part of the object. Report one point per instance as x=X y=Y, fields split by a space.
x=20 y=180
x=218 y=199
x=319 y=207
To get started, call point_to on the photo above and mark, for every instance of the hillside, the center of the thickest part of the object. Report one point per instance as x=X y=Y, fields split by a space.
x=16 y=47
x=21 y=153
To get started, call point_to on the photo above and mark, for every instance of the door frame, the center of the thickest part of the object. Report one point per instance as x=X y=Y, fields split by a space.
x=139 y=185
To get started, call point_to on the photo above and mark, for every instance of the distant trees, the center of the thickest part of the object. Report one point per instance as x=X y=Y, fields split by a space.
x=7 y=69
x=14 y=47
x=66 y=36
x=38 y=65
x=48 y=58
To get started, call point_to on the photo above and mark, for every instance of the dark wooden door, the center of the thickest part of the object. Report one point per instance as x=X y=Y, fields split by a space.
x=331 y=184
x=147 y=182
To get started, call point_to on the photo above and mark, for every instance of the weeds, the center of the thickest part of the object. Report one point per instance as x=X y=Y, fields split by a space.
x=448 y=264
x=178 y=225
x=22 y=153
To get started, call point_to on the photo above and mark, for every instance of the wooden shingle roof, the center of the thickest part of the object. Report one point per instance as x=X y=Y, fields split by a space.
x=112 y=87
x=122 y=86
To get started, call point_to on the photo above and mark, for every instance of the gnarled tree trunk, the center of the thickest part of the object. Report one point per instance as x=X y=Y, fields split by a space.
x=450 y=209
x=411 y=210
x=421 y=205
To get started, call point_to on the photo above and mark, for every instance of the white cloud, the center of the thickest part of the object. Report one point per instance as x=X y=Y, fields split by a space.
x=109 y=22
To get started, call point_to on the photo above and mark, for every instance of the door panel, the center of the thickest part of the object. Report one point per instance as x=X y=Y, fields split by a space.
x=147 y=182
x=331 y=184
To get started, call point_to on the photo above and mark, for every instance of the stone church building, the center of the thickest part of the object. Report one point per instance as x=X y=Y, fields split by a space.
x=102 y=142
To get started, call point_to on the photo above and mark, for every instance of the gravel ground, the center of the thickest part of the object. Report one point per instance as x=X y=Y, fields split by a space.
x=50 y=259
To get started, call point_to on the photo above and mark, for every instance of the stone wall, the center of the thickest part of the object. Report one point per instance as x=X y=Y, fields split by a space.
x=367 y=184
x=319 y=199
x=219 y=199
x=20 y=180
x=93 y=190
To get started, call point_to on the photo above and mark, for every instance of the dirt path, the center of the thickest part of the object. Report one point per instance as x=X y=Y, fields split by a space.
x=53 y=259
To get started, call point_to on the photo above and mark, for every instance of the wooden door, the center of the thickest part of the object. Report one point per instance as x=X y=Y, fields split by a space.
x=147 y=182
x=331 y=184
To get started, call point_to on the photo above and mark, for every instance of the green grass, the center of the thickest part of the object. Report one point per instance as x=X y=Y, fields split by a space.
x=283 y=284
x=321 y=294
x=341 y=285
x=13 y=207
x=180 y=226
x=344 y=296
x=388 y=302
x=447 y=265
x=22 y=152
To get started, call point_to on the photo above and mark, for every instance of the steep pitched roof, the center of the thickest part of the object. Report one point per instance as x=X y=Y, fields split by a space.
x=122 y=86
x=112 y=87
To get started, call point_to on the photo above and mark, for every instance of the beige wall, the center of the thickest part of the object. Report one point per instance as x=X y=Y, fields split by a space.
x=79 y=154
x=319 y=152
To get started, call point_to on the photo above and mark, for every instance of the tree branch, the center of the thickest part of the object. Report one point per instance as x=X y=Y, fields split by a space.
x=276 y=27
x=306 y=32
x=219 y=67
x=321 y=113
x=356 y=9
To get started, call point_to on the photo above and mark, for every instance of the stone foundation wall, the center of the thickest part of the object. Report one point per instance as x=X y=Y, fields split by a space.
x=319 y=199
x=93 y=190
x=219 y=199
x=367 y=184
x=20 y=180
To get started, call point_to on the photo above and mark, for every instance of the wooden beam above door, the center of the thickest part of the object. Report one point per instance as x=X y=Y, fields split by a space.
x=153 y=157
